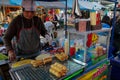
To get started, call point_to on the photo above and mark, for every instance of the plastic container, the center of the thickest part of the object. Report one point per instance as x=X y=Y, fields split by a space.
x=66 y=46
x=72 y=50
x=93 y=17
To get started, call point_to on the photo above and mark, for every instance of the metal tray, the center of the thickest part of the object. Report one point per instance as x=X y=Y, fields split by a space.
x=28 y=72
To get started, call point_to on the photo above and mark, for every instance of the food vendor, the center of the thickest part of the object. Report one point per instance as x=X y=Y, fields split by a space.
x=26 y=28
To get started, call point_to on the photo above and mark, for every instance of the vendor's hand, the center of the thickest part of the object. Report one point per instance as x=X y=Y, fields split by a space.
x=11 y=55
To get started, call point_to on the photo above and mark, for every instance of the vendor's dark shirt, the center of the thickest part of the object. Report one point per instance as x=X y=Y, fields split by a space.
x=16 y=25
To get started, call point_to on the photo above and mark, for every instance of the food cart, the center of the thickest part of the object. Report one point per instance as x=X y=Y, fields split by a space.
x=91 y=55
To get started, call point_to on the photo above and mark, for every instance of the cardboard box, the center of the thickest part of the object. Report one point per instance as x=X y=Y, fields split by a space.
x=84 y=25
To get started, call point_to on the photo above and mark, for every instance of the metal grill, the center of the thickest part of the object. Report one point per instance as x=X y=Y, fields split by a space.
x=30 y=73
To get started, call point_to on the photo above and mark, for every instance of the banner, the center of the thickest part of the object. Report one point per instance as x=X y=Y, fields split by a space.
x=99 y=73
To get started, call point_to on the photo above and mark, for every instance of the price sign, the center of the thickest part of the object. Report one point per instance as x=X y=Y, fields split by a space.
x=92 y=38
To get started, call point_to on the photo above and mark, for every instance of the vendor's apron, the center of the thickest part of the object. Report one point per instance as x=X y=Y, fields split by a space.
x=28 y=44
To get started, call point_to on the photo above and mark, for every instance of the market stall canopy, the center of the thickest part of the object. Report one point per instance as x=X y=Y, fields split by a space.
x=8 y=3
x=55 y=4
x=91 y=5
x=17 y=2
x=44 y=3
x=98 y=5
x=86 y=5
x=70 y=4
x=49 y=0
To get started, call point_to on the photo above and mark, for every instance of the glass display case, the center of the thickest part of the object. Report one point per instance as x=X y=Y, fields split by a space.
x=90 y=47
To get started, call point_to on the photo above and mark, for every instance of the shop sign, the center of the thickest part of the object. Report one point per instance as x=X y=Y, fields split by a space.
x=99 y=71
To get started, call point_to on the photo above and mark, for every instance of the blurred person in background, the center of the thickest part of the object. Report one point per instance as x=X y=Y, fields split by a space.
x=44 y=15
x=7 y=22
x=116 y=41
x=106 y=22
x=8 y=19
x=116 y=16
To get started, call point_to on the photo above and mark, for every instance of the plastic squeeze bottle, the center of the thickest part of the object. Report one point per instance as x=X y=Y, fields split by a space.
x=66 y=46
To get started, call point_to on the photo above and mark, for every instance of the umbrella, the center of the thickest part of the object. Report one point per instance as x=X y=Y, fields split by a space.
x=76 y=9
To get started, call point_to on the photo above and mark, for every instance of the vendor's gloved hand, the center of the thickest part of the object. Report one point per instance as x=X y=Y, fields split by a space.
x=11 y=55
x=48 y=38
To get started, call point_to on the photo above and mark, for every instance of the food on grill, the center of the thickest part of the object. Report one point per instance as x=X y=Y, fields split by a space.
x=47 y=60
x=61 y=66
x=61 y=56
x=37 y=63
x=58 y=70
x=21 y=63
x=57 y=74
x=42 y=56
